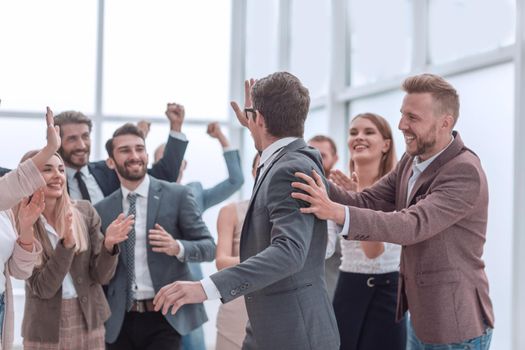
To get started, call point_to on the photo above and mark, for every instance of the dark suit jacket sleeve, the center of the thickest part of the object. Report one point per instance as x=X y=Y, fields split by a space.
x=47 y=278
x=167 y=168
x=196 y=239
x=102 y=264
x=291 y=234
x=221 y=191
x=454 y=193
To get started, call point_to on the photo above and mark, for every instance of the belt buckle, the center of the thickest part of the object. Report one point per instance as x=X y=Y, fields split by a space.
x=370 y=282
x=141 y=306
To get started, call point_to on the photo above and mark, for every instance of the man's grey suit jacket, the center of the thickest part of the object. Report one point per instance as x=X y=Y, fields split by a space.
x=174 y=208
x=282 y=253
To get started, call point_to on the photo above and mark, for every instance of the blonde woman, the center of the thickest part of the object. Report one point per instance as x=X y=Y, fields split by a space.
x=65 y=306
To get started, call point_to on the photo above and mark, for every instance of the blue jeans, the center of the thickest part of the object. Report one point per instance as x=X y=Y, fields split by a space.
x=479 y=343
x=2 y=313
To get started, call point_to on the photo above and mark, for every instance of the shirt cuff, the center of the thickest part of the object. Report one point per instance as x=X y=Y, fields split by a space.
x=178 y=135
x=210 y=289
x=344 y=231
x=180 y=256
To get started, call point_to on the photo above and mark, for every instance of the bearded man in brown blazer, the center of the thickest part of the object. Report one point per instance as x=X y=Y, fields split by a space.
x=434 y=203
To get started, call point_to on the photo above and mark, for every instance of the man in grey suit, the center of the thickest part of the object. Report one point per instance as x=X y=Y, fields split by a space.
x=281 y=274
x=168 y=232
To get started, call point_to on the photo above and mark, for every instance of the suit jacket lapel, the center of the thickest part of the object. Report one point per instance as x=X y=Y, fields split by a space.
x=154 y=195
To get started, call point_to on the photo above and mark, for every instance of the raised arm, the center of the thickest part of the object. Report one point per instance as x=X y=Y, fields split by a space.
x=26 y=179
x=224 y=189
x=167 y=168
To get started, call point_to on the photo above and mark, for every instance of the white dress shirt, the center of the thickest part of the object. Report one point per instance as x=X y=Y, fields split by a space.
x=95 y=193
x=267 y=156
x=68 y=287
x=143 y=285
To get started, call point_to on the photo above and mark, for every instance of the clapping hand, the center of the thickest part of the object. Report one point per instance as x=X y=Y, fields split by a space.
x=30 y=209
x=345 y=182
x=118 y=231
x=68 y=238
x=241 y=116
x=163 y=242
x=175 y=113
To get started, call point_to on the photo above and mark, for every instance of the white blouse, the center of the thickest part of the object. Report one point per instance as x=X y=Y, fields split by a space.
x=68 y=287
x=8 y=238
x=354 y=259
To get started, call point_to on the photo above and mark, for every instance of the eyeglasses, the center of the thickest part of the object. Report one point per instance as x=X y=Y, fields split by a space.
x=250 y=112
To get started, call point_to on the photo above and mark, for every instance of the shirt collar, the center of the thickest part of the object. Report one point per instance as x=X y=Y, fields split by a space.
x=274 y=147
x=421 y=166
x=142 y=190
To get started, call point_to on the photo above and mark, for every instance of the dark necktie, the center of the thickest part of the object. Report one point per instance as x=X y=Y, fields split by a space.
x=82 y=186
x=130 y=245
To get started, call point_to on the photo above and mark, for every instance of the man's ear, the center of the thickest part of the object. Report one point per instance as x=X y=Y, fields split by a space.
x=110 y=163
x=259 y=120
x=448 y=122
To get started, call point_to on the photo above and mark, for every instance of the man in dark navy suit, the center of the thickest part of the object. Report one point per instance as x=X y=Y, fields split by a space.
x=95 y=180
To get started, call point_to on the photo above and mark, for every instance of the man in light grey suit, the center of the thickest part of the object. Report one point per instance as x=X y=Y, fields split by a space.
x=281 y=274
x=168 y=232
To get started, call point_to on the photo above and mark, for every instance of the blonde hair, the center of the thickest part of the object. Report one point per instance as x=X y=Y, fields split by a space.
x=62 y=207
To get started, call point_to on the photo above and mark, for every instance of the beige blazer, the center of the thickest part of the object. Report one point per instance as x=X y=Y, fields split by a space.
x=19 y=183
x=20 y=265
x=442 y=231
x=89 y=270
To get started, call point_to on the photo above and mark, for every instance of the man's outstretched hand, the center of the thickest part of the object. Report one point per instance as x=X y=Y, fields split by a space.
x=177 y=294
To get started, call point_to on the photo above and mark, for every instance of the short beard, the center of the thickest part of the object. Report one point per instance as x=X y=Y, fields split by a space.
x=121 y=169
x=67 y=157
x=423 y=145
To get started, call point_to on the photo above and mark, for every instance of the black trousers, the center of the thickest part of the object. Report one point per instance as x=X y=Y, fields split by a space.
x=365 y=310
x=146 y=331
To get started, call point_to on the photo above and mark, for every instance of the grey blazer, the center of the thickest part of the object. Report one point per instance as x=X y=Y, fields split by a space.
x=281 y=273
x=174 y=208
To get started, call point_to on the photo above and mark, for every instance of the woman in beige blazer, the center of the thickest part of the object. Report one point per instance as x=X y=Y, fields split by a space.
x=18 y=251
x=65 y=306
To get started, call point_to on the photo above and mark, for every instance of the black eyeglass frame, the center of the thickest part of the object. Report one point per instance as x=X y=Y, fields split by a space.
x=250 y=110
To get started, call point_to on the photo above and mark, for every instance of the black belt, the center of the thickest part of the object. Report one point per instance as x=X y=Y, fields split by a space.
x=142 y=306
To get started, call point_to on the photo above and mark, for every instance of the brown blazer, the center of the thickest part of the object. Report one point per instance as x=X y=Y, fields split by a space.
x=89 y=270
x=442 y=231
